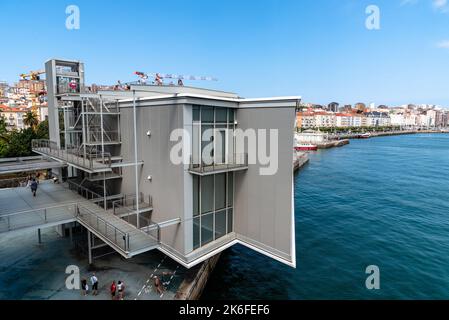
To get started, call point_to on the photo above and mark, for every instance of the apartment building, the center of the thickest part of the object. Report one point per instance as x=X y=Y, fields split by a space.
x=344 y=120
x=325 y=120
x=377 y=119
x=305 y=120
x=13 y=116
x=169 y=161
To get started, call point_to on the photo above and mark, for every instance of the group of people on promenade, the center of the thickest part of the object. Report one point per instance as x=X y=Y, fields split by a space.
x=117 y=290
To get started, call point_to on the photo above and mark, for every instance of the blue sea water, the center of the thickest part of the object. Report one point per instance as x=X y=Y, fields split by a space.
x=382 y=201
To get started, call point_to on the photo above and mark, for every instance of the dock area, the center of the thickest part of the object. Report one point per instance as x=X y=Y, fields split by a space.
x=300 y=159
x=333 y=144
x=386 y=133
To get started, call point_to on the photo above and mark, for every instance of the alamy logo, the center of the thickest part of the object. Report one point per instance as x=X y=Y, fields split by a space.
x=72 y=21
x=72 y=282
x=373 y=280
x=261 y=145
x=372 y=22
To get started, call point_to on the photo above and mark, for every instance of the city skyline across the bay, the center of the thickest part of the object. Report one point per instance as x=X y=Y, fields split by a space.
x=322 y=50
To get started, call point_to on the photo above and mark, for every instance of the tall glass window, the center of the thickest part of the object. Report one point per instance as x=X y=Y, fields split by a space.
x=196 y=196
x=207 y=194
x=213 y=135
x=212 y=207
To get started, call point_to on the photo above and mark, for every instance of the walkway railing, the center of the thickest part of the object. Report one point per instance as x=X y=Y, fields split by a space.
x=126 y=208
x=84 y=192
x=73 y=154
x=31 y=218
x=130 y=202
x=235 y=161
x=109 y=231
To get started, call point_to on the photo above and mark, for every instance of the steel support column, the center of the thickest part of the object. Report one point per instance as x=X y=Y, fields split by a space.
x=89 y=246
x=135 y=159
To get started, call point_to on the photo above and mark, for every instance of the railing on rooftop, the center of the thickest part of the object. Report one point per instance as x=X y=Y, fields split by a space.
x=236 y=161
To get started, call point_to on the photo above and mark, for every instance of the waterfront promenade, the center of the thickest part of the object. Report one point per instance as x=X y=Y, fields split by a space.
x=384 y=133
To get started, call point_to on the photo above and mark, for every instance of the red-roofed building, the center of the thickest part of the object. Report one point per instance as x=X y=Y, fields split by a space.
x=13 y=116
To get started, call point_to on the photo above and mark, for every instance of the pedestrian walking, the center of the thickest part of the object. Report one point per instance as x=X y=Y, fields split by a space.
x=158 y=285
x=33 y=187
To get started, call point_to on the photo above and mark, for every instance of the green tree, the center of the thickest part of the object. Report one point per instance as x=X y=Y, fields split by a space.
x=42 y=130
x=30 y=119
x=2 y=124
x=19 y=143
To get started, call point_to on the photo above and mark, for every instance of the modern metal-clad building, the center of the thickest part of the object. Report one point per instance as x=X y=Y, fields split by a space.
x=184 y=170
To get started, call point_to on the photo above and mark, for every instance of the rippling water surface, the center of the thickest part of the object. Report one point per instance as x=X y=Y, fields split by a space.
x=382 y=201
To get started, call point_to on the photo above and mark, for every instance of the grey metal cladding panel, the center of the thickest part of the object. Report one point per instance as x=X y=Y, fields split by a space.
x=263 y=204
x=166 y=186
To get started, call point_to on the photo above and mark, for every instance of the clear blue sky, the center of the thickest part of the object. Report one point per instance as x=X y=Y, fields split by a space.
x=319 y=49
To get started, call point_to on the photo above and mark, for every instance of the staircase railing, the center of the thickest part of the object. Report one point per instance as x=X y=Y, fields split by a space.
x=109 y=231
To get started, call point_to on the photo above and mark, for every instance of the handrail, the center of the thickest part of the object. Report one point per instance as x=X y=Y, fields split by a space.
x=123 y=202
x=45 y=211
x=88 y=191
x=237 y=161
x=125 y=235
x=148 y=226
x=86 y=160
x=41 y=209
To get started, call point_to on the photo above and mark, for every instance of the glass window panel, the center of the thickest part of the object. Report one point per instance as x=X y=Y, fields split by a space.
x=207 y=229
x=231 y=189
x=231 y=115
x=230 y=143
x=207 y=144
x=196 y=195
x=196 y=142
x=207 y=194
x=196 y=113
x=220 y=191
x=207 y=114
x=230 y=220
x=220 y=224
x=196 y=233
x=220 y=144
x=221 y=115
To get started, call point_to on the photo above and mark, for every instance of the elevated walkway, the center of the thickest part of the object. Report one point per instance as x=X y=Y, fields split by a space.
x=89 y=162
x=55 y=205
x=27 y=164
